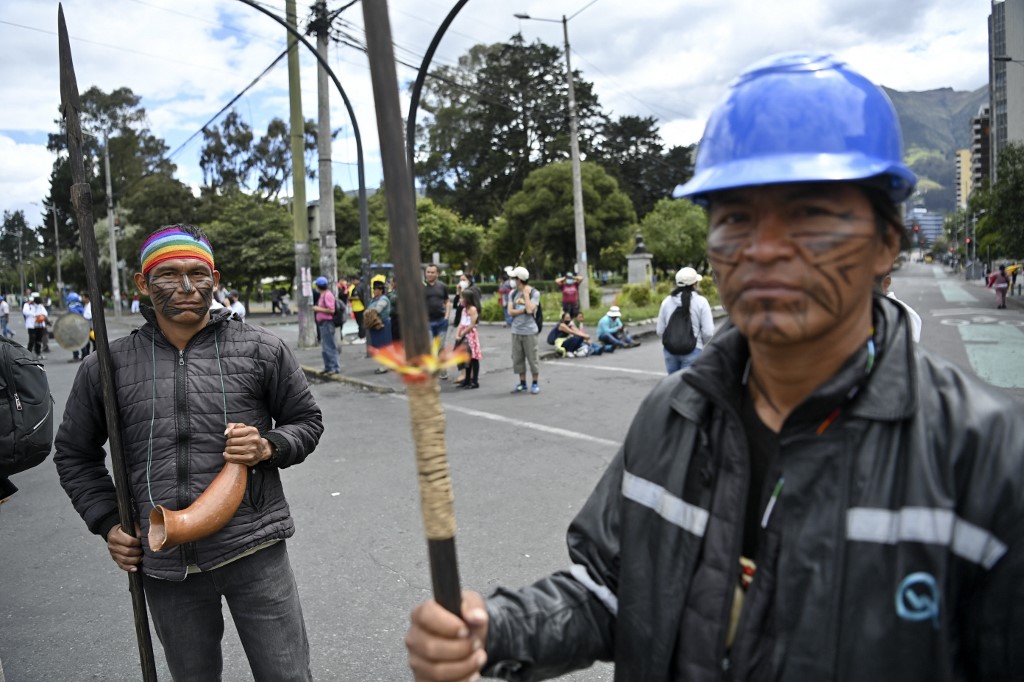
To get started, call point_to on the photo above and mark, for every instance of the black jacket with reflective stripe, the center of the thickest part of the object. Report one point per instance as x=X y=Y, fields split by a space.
x=896 y=550
x=263 y=386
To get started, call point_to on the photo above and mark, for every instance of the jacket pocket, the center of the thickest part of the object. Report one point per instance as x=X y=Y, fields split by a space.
x=254 y=490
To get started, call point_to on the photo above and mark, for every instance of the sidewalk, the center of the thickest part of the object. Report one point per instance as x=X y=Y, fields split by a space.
x=358 y=369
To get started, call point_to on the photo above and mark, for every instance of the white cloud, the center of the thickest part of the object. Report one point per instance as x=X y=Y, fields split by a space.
x=670 y=59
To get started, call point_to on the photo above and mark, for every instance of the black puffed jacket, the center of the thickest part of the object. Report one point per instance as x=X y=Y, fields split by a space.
x=227 y=366
x=895 y=551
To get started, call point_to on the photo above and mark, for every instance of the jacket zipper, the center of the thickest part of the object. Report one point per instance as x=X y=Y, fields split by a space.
x=182 y=440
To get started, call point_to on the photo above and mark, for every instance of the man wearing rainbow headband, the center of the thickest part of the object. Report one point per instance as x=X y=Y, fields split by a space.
x=197 y=388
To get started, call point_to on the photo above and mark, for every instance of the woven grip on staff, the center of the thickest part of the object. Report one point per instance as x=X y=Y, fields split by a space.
x=436 y=497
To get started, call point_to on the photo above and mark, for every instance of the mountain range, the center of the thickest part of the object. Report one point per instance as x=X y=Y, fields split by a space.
x=935 y=124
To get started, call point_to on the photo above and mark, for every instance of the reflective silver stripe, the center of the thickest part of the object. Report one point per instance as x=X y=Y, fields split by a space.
x=927 y=525
x=669 y=507
x=606 y=596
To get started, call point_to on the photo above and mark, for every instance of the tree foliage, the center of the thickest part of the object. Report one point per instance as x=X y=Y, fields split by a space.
x=496 y=116
x=632 y=152
x=676 y=234
x=251 y=239
x=1007 y=200
x=230 y=160
x=539 y=226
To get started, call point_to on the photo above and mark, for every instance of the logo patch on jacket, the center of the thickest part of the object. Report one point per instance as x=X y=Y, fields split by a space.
x=917 y=598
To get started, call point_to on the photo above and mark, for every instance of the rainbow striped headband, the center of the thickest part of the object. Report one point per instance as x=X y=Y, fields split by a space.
x=174 y=243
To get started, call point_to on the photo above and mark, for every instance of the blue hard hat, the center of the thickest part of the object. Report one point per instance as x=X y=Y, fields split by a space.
x=72 y=297
x=320 y=281
x=801 y=117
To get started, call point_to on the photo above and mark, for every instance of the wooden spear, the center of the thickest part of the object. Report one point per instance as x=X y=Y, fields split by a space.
x=436 y=499
x=81 y=197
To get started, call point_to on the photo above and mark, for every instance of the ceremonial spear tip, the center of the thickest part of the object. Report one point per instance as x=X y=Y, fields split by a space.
x=68 y=82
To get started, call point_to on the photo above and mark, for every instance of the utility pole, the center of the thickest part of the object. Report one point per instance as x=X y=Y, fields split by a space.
x=300 y=227
x=582 y=269
x=21 y=262
x=328 y=235
x=115 y=280
x=56 y=245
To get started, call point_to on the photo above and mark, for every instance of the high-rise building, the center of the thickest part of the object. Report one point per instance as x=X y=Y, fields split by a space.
x=964 y=187
x=980 y=147
x=1006 y=76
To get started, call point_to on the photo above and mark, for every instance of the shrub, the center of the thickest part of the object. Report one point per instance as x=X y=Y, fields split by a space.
x=491 y=311
x=639 y=295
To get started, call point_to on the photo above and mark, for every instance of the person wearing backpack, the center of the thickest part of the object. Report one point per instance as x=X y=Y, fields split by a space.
x=324 y=310
x=26 y=414
x=685 y=324
x=523 y=303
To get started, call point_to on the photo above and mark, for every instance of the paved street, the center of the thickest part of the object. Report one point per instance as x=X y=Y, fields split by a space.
x=522 y=466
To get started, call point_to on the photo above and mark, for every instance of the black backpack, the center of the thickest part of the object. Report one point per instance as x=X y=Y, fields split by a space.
x=678 y=338
x=26 y=410
x=538 y=316
x=338 y=318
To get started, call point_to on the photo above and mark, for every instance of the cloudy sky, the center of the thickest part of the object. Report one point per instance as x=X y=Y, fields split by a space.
x=671 y=59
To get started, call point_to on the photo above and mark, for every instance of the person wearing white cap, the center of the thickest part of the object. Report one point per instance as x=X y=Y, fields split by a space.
x=522 y=304
x=693 y=310
x=612 y=333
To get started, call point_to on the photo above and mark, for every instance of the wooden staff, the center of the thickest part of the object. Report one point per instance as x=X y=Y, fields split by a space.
x=436 y=499
x=81 y=197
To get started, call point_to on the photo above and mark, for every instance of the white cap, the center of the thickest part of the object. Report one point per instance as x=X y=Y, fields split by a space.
x=614 y=311
x=687 y=277
x=521 y=273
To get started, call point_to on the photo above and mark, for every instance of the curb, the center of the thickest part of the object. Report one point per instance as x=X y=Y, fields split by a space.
x=319 y=376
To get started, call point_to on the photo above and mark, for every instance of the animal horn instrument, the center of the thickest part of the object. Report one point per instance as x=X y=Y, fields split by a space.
x=208 y=514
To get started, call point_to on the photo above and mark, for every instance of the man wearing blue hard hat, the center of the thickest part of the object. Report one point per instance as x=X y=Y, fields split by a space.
x=323 y=311
x=816 y=498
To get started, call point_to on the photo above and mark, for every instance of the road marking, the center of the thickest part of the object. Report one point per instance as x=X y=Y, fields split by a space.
x=602 y=368
x=519 y=423
x=942 y=312
x=954 y=293
x=996 y=352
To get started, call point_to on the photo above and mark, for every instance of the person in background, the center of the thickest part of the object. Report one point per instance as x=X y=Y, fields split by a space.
x=504 y=290
x=237 y=307
x=323 y=311
x=522 y=305
x=912 y=317
x=1000 y=281
x=357 y=298
x=700 y=318
x=35 y=324
x=392 y=294
x=612 y=333
x=467 y=335
x=378 y=323
x=5 y=318
x=569 y=283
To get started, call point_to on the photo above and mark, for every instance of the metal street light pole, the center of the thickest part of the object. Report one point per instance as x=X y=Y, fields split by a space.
x=582 y=268
x=115 y=285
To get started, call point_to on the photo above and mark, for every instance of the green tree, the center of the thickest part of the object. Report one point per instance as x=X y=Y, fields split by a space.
x=540 y=221
x=495 y=117
x=444 y=231
x=251 y=239
x=1007 y=200
x=676 y=234
x=226 y=156
x=14 y=229
x=632 y=151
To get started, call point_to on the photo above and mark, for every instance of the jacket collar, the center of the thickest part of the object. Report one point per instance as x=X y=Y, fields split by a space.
x=889 y=394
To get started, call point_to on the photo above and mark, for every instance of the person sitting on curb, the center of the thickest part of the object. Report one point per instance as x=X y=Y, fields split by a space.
x=568 y=339
x=612 y=333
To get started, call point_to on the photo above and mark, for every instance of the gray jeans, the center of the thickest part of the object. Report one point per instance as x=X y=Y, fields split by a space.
x=264 y=602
